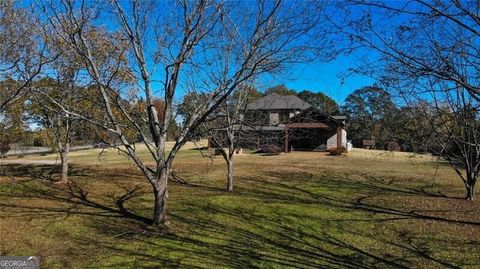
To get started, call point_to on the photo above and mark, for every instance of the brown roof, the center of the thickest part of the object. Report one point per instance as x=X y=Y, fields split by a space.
x=276 y=101
x=316 y=125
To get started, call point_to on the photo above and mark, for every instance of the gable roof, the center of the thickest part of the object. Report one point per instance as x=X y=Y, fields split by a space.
x=340 y=117
x=275 y=101
x=313 y=115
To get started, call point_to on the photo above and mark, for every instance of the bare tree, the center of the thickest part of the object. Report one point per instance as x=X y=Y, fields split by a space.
x=225 y=128
x=450 y=127
x=200 y=46
x=427 y=54
x=459 y=134
x=45 y=113
x=436 y=39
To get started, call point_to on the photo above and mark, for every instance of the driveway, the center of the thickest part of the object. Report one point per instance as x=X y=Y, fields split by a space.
x=26 y=161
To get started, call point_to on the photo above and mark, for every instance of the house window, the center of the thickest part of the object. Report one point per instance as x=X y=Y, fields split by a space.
x=274 y=119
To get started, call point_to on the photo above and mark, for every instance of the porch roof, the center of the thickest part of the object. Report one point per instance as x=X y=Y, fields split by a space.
x=306 y=125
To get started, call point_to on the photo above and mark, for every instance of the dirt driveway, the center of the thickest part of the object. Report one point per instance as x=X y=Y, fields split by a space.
x=26 y=161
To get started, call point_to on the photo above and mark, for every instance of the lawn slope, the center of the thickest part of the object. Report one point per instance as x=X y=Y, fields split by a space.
x=369 y=209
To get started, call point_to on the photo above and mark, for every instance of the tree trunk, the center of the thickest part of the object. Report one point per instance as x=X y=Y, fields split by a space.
x=229 y=174
x=64 y=164
x=470 y=183
x=471 y=191
x=161 y=192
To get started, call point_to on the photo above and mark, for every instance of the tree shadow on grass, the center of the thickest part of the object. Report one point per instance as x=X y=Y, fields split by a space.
x=40 y=171
x=71 y=198
x=302 y=246
x=296 y=190
x=269 y=240
x=239 y=235
x=259 y=243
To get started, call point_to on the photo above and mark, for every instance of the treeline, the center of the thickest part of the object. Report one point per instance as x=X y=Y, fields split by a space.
x=31 y=121
x=28 y=122
x=372 y=114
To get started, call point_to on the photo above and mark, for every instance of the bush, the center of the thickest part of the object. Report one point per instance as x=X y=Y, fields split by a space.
x=338 y=151
x=270 y=149
x=38 y=141
x=4 y=148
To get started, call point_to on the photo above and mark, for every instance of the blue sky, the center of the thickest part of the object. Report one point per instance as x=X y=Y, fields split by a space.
x=316 y=77
x=329 y=78
x=326 y=78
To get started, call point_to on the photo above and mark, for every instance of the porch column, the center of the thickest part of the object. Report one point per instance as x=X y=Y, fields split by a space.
x=286 y=139
x=339 y=137
x=210 y=144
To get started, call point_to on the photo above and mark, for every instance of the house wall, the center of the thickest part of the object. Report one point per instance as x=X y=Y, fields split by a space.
x=332 y=141
x=344 y=138
x=269 y=117
x=274 y=118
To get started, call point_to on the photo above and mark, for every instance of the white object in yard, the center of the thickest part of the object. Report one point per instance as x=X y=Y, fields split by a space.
x=349 y=146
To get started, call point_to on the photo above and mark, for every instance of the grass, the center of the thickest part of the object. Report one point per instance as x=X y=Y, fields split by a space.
x=368 y=209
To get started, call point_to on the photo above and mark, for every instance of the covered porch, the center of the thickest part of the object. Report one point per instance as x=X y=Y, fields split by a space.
x=309 y=136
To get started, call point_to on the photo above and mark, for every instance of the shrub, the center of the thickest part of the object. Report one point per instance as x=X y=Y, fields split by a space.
x=338 y=151
x=270 y=149
x=38 y=142
x=4 y=148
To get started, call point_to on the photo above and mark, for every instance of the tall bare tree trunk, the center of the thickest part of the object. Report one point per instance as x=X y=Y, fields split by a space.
x=470 y=185
x=470 y=182
x=161 y=195
x=229 y=174
x=471 y=192
x=64 y=163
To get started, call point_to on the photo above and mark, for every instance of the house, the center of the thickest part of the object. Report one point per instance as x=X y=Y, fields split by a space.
x=292 y=124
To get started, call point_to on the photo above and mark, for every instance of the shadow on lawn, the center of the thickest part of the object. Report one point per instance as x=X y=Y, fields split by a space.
x=262 y=240
x=40 y=171
x=72 y=198
x=240 y=236
x=361 y=191
x=281 y=240
x=293 y=239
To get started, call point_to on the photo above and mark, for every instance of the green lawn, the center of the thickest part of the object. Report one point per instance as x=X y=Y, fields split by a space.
x=369 y=209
